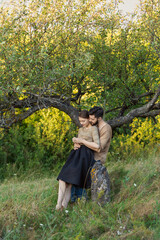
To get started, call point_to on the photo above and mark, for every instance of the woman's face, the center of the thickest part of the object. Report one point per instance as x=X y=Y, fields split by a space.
x=84 y=121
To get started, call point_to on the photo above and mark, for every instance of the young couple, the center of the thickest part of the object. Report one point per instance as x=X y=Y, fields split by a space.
x=92 y=144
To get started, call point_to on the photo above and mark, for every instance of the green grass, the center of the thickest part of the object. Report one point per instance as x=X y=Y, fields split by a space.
x=27 y=207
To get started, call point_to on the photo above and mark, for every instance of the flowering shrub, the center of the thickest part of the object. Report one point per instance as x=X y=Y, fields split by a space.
x=144 y=135
x=43 y=140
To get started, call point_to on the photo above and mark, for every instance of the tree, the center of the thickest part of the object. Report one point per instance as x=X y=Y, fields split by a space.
x=77 y=53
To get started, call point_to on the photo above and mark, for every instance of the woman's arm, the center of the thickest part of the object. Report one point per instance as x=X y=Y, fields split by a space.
x=95 y=145
x=92 y=145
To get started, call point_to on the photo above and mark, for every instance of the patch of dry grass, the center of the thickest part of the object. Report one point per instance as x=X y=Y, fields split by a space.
x=27 y=207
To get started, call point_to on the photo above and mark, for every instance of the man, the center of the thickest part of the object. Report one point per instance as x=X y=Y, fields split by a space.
x=102 y=186
x=105 y=134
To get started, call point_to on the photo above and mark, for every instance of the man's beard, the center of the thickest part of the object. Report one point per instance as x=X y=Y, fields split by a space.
x=94 y=124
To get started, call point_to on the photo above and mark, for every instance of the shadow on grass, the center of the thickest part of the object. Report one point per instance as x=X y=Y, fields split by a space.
x=117 y=177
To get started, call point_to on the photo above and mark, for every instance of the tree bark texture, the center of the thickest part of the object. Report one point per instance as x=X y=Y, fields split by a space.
x=32 y=103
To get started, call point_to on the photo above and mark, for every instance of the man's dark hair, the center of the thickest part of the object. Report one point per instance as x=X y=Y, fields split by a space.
x=96 y=111
x=84 y=114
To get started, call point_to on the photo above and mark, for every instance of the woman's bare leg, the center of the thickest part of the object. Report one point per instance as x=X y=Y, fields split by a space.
x=61 y=194
x=67 y=195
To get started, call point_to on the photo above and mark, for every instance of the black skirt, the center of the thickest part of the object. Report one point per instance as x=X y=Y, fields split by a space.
x=77 y=168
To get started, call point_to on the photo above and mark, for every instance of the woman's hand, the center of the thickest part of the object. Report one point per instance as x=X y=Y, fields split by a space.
x=76 y=146
x=74 y=139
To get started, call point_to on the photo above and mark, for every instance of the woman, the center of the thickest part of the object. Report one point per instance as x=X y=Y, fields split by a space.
x=77 y=168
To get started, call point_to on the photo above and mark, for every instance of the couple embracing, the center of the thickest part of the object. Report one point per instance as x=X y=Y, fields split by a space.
x=91 y=145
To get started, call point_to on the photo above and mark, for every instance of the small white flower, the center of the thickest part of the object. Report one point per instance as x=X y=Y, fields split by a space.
x=119 y=233
x=24 y=225
x=135 y=184
x=41 y=224
x=66 y=211
x=30 y=228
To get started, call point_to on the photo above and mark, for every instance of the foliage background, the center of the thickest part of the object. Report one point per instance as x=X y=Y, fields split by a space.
x=42 y=141
x=73 y=54
x=103 y=57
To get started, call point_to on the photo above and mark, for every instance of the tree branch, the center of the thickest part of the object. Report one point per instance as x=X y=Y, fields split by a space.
x=32 y=104
x=35 y=102
x=145 y=110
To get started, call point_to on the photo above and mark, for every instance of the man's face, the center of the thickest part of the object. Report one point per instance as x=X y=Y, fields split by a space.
x=93 y=120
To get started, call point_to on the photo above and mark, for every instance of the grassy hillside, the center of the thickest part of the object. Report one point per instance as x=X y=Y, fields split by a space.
x=27 y=207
